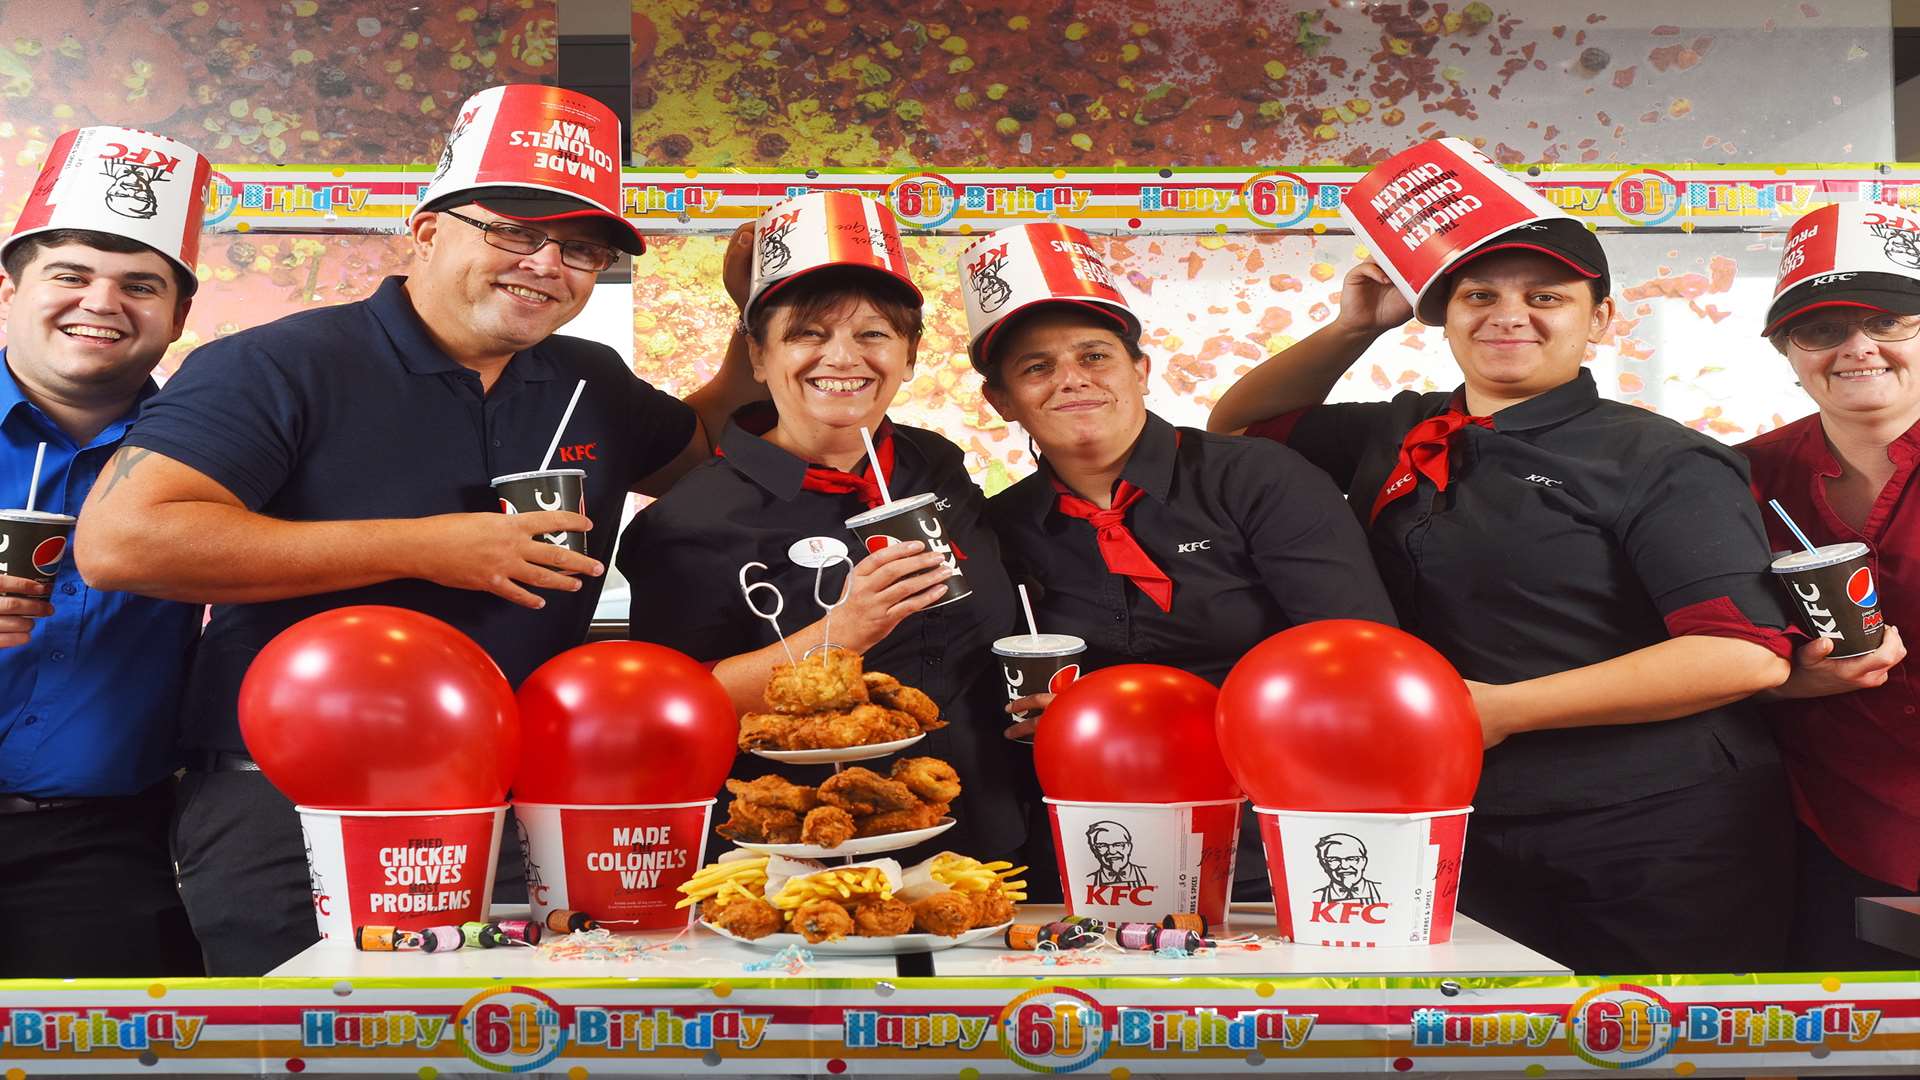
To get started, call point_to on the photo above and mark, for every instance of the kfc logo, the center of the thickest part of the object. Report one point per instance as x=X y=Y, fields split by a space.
x=1348 y=894
x=1903 y=246
x=536 y=888
x=1118 y=879
x=322 y=903
x=983 y=274
x=774 y=252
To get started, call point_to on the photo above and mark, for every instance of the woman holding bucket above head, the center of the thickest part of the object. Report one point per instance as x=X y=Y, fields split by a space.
x=1148 y=542
x=1846 y=315
x=1597 y=573
x=832 y=325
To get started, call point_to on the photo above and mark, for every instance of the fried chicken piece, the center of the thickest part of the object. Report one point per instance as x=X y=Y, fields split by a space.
x=918 y=816
x=757 y=824
x=874 y=917
x=749 y=917
x=948 y=914
x=862 y=725
x=859 y=790
x=769 y=731
x=775 y=792
x=827 y=827
x=827 y=681
x=929 y=778
x=991 y=908
x=891 y=692
x=822 y=920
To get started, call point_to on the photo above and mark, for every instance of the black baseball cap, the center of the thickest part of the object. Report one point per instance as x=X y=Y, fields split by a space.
x=533 y=206
x=1891 y=293
x=1561 y=238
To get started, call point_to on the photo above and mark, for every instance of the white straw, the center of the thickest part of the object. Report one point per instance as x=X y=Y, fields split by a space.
x=547 y=462
x=1027 y=606
x=33 y=484
x=873 y=459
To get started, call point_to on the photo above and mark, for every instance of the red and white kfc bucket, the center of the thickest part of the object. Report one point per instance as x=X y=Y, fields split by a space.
x=122 y=181
x=1365 y=881
x=825 y=230
x=406 y=868
x=1137 y=861
x=1011 y=270
x=620 y=864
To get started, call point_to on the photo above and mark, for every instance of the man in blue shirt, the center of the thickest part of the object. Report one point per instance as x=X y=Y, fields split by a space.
x=90 y=680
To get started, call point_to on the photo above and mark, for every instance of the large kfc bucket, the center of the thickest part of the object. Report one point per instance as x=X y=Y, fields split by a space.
x=406 y=868
x=620 y=864
x=1364 y=880
x=1131 y=862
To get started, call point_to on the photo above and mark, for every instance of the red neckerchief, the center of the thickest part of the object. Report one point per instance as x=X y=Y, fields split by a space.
x=1121 y=551
x=835 y=482
x=1424 y=452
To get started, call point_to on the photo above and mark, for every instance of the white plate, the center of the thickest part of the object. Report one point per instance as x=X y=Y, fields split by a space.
x=846 y=753
x=867 y=946
x=859 y=845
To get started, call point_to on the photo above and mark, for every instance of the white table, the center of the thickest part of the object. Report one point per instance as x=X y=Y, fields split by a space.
x=1475 y=951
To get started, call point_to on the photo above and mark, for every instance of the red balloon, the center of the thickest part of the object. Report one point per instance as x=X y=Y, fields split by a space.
x=624 y=722
x=1350 y=715
x=380 y=708
x=1132 y=733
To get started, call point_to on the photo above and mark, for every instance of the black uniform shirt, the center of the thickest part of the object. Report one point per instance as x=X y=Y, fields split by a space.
x=1573 y=531
x=683 y=554
x=1254 y=539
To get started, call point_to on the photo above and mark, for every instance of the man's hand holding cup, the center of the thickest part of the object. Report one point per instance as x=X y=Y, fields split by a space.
x=505 y=554
x=22 y=600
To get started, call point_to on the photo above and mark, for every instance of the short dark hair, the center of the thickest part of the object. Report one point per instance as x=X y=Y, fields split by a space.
x=22 y=253
x=1596 y=286
x=996 y=354
x=822 y=292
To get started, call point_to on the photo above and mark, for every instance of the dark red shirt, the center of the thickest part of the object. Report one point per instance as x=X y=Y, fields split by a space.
x=1853 y=759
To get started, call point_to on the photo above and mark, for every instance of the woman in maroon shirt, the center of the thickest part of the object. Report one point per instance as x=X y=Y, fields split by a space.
x=1846 y=315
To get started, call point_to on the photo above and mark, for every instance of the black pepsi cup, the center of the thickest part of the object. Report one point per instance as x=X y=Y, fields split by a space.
x=1834 y=595
x=1038 y=664
x=546 y=489
x=33 y=543
x=914 y=518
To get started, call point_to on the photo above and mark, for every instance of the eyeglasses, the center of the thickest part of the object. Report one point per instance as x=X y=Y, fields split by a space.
x=507 y=236
x=1830 y=333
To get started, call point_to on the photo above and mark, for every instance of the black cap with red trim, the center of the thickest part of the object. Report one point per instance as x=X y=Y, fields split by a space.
x=1564 y=239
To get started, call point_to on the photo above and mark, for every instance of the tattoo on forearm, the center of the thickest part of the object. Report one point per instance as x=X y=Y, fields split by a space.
x=123 y=464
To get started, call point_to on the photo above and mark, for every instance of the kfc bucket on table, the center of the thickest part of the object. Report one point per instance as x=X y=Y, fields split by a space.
x=622 y=864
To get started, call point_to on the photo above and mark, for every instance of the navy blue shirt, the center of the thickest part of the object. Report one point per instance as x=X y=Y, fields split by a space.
x=352 y=413
x=90 y=704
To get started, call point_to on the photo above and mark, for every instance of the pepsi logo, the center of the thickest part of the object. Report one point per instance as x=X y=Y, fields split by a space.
x=1860 y=588
x=47 y=554
x=877 y=542
x=507 y=507
x=1063 y=678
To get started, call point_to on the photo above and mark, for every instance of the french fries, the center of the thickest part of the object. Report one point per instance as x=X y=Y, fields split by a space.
x=748 y=877
x=964 y=874
x=840 y=883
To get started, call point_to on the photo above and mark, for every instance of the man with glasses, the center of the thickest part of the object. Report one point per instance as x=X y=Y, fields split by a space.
x=343 y=456
x=1846 y=315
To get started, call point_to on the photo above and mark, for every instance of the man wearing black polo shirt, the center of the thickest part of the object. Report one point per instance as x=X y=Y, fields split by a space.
x=343 y=456
x=1598 y=574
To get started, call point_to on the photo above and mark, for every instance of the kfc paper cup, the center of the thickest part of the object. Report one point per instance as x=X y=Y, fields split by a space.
x=33 y=543
x=1834 y=596
x=1133 y=862
x=546 y=489
x=409 y=869
x=1038 y=664
x=620 y=864
x=1364 y=880
x=915 y=518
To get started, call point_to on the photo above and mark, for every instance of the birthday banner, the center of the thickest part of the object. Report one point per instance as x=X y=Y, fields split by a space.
x=303 y=198
x=1739 y=1025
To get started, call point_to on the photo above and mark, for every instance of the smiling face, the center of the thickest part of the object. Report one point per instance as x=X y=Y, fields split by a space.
x=1519 y=324
x=86 y=325
x=484 y=304
x=1067 y=377
x=834 y=364
x=1860 y=378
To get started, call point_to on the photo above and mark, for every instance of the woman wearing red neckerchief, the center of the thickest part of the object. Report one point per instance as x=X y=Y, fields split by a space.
x=1154 y=544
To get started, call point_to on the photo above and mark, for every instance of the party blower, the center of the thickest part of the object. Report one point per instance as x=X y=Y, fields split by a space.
x=396 y=736
x=1361 y=749
x=625 y=744
x=1146 y=815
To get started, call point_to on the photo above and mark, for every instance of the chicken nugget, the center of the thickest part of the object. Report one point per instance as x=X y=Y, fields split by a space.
x=874 y=917
x=948 y=914
x=821 y=920
x=775 y=792
x=919 y=816
x=991 y=908
x=827 y=827
x=859 y=790
x=749 y=917
x=826 y=681
x=929 y=778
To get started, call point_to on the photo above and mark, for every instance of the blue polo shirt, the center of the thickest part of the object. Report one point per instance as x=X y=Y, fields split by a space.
x=352 y=413
x=89 y=705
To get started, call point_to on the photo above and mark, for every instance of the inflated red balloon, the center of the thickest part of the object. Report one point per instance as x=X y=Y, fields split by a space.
x=1132 y=733
x=380 y=708
x=624 y=722
x=1350 y=715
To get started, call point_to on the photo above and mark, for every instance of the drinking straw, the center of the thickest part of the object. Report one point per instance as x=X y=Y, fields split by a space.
x=1797 y=534
x=33 y=483
x=873 y=459
x=547 y=461
x=1027 y=606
